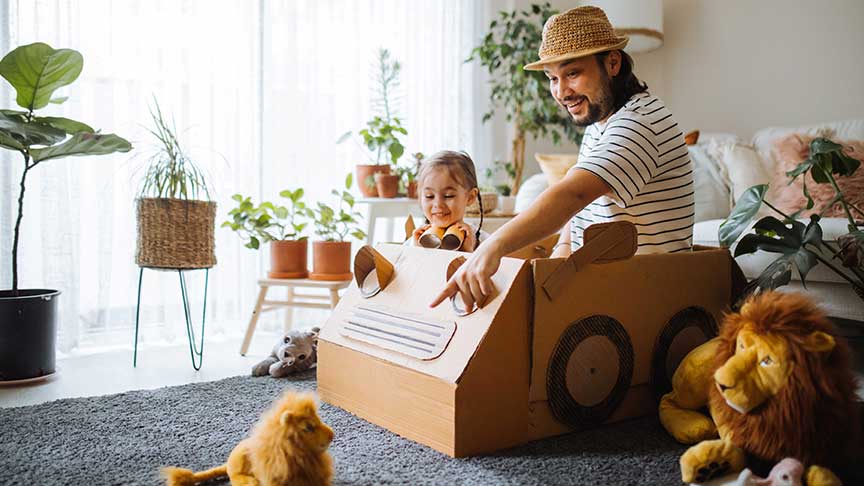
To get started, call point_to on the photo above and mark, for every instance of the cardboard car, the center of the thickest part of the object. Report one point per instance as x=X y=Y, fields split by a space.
x=562 y=344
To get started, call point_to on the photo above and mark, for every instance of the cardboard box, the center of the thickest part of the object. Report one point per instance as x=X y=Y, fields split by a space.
x=563 y=344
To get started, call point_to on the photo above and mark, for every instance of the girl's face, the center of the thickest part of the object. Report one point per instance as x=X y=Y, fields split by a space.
x=443 y=199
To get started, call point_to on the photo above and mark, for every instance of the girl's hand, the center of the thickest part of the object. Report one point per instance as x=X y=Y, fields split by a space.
x=473 y=280
x=419 y=232
x=469 y=243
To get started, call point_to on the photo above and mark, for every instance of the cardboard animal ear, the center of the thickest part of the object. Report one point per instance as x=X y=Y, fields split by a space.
x=819 y=342
x=372 y=271
x=409 y=227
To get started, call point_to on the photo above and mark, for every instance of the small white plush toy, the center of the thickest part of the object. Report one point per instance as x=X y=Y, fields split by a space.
x=296 y=351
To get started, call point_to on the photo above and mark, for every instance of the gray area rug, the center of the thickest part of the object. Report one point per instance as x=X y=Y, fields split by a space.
x=126 y=438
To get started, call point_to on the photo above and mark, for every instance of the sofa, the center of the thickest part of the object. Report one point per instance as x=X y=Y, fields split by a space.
x=724 y=165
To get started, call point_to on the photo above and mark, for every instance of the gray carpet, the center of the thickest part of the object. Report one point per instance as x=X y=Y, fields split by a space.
x=126 y=438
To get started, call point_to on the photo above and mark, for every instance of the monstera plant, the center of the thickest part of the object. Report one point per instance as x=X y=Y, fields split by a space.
x=799 y=245
x=36 y=71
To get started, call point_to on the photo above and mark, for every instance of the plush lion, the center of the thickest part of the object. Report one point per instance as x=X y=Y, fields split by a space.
x=288 y=445
x=776 y=383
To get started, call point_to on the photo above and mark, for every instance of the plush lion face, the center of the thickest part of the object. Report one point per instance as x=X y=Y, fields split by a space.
x=761 y=366
x=305 y=428
x=783 y=386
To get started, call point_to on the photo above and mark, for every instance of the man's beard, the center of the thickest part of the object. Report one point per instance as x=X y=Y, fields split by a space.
x=599 y=110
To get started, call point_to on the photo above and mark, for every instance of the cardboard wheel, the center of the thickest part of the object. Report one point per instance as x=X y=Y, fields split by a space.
x=590 y=371
x=686 y=330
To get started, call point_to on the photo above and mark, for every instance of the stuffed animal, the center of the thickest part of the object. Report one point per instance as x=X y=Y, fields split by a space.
x=288 y=445
x=777 y=383
x=788 y=472
x=296 y=351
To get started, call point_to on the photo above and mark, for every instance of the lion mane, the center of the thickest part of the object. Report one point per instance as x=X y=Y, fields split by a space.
x=814 y=417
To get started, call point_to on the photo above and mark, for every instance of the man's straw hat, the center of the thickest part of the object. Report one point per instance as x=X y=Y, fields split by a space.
x=578 y=32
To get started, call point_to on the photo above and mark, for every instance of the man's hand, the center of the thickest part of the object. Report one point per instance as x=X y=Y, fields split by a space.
x=473 y=280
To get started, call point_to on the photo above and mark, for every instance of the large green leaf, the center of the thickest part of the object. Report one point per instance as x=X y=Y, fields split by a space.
x=746 y=207
x=69 y=126
x=772 y=235
x=8 y=142
x=83 y=144
x=37 y=70
x=32 y=133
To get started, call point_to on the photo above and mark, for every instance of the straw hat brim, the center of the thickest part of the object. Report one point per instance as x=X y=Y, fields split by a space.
x=538 y=65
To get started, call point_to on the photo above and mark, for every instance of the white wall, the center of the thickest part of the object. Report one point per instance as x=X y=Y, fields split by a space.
x=740 y=65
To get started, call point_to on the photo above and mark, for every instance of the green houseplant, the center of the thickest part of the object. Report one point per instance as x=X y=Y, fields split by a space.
x=35 y=71
x=408 y=175
x=331 y=255
x=512 y=42
x=506 y=199
x=381 y=135
x=280 y=225
x=175 y=215
x=800 y=245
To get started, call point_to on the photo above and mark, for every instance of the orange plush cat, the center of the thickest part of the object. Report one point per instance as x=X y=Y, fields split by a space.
x=288 y=445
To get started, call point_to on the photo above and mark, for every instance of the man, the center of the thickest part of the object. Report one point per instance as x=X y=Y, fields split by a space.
x=633 y=163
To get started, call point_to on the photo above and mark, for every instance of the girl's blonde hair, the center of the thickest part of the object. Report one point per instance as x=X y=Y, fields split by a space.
x=460 y=167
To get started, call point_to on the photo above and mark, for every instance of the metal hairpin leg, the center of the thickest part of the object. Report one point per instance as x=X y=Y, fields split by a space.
x=195 y=350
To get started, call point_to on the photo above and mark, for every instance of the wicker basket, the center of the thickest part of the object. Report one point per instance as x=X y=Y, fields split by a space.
x=175 y=233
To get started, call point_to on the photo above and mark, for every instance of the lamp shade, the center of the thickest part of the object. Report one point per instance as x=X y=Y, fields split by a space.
x=640 y=20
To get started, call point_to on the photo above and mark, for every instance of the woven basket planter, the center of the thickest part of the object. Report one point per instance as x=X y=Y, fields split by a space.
x=175 y=233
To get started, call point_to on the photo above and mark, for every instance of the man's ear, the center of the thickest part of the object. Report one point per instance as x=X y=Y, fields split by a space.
x=613 y=63
x=819 y=342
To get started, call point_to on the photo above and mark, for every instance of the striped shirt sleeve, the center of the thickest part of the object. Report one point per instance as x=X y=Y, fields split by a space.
x=624 y=155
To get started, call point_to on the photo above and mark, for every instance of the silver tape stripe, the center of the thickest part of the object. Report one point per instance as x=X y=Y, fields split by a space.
x=358 y=331
x=412 y=319
x=380 y=320
x=390 y=333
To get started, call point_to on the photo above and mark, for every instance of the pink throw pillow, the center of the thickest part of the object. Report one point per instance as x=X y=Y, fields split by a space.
x=790 y=151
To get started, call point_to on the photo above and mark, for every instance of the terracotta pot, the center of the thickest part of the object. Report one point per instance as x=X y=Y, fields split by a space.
x=331 y=260
x=364 y=173
x=387 y=184
x=411 y=190
x=288 y=259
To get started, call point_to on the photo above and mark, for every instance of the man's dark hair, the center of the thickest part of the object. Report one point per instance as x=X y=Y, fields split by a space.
x=625 y=84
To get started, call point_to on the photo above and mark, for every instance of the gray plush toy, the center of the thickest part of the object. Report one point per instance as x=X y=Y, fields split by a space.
x=297 y=351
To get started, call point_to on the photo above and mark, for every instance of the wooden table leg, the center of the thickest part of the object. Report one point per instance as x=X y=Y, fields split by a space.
x=253 y=321
x=334 y=298
x=289 y=311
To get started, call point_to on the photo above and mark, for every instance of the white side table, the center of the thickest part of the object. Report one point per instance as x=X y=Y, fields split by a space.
x=308 y=300
x=380 y=207
x=491 y=221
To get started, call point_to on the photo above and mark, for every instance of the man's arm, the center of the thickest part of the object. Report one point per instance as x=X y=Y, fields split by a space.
x=549 y=212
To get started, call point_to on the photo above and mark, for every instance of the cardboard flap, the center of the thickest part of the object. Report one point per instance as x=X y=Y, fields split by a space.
x=418 y=276
x=603 y=243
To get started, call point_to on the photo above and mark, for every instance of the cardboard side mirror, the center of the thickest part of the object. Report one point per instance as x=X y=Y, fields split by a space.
x=372 y=271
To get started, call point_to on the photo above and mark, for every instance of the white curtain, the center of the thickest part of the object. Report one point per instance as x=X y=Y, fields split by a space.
x=260 y=91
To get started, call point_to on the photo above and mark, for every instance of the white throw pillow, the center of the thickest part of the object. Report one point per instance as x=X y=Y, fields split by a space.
x=744 y=168
x=711 y=189
x=529 y=190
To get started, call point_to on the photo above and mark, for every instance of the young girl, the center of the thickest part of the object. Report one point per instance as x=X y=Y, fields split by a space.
x=447 y=185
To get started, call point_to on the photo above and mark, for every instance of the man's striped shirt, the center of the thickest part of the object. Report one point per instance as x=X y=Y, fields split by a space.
x=640 y=153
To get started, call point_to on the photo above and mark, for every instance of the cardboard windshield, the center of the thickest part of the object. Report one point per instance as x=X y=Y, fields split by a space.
x=418 y=275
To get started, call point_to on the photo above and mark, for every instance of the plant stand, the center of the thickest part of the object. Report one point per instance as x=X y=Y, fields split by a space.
x=195 y=350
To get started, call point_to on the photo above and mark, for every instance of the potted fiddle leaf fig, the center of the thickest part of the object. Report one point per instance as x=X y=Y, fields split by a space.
x=331 y=256
x=281 y=226
x=381 y=135
x=28 y=316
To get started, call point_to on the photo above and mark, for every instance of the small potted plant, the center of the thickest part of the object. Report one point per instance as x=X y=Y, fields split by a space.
x=381 y=135
x=506 y=199
x=175 y=216
x=408 y=176
x=28 y=317
x=281 y=226
x=331 y=256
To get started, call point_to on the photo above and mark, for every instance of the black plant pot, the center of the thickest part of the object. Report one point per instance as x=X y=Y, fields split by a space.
x=28 y=327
